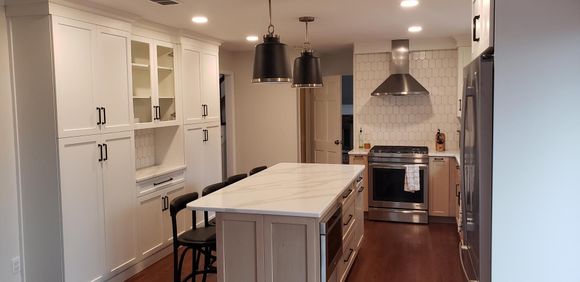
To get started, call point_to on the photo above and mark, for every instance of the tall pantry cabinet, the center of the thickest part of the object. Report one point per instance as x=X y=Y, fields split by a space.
x=83 y=85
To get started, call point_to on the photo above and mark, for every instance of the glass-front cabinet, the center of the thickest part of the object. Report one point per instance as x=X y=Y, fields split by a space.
x=153 y=75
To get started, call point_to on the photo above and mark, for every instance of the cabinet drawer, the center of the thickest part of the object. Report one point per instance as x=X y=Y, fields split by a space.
x=348 y=255
x=348 y=216
x=159 y=182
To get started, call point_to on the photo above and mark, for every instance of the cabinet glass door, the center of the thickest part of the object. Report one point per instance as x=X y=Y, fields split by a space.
x=142 y=94
x=166 y=83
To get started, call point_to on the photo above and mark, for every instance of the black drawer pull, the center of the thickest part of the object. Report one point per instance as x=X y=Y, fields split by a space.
x=100 y=121
x=349 y=255
x=347 y=194
x=475 y=19
x=362 y=188
x=349 y=219
x=162 y=182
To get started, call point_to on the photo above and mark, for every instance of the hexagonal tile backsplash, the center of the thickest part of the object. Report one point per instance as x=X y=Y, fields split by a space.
x=412 y=120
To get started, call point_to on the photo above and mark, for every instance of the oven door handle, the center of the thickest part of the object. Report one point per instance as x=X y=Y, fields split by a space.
x=397 y=166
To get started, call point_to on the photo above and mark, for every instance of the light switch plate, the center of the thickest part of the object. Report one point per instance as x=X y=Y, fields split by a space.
x=16 y=265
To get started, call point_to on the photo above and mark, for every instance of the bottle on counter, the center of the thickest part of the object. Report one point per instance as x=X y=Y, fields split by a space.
x=360 y=139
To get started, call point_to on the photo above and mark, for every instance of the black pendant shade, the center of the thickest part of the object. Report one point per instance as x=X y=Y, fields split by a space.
x=271 y=61
x=307 y=71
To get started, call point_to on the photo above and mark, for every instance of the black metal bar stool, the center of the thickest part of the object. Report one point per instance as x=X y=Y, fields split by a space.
x=257 y=169
x=198 y=240
x=206 y=191
x=235 y=178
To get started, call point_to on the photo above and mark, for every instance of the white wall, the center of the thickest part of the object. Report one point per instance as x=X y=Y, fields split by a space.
x=9 y=226
x=266 y=116
x=536 y=189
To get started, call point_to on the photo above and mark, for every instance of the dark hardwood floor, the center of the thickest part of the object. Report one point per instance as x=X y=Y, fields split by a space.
x=395 y=252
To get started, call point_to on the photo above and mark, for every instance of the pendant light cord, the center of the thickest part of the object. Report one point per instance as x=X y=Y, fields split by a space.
x=270 y=26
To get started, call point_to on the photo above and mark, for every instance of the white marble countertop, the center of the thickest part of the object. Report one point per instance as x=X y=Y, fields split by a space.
x=155 y=171
x=358 y=151
x=288 y=189
x=450 y=153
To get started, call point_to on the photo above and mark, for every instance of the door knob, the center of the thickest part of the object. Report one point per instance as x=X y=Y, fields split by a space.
x=337 y=142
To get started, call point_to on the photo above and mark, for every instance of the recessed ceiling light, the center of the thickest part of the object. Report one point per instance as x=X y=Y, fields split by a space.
x=199 y=19
x=252 y=38
x=409 y=3
x=415 y=28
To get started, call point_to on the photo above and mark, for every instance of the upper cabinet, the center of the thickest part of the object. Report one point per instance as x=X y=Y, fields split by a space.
x=200 y=82
x=86 y=55
x=153 y=74
x=482 y=13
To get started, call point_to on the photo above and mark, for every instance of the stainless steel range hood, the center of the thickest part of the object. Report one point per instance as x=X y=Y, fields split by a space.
x=400 y=82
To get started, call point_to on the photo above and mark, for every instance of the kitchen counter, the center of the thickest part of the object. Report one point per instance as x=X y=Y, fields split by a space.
x=359 y=152
x=450 y=153
x=286 y=189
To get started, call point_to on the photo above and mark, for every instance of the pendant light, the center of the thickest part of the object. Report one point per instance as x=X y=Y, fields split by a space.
x=307 y=66
x=270 y=59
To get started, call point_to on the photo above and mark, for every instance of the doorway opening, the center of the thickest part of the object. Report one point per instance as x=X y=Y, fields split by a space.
x=326 y=121
x=227 y=123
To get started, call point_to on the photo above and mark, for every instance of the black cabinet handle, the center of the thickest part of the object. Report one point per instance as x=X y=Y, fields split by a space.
x=349 y=219
x=475 y=19
x=460 y=105
x=362 y=188
x=106 y=152
x=104 y=115
x=205 y=135
x=347 y=194
x=163 y=203
x=158 y=112
x=101 y=152
x=459 y=198
x=99 y=122
x=204 y=109
x=349 y=255
x=162 y=182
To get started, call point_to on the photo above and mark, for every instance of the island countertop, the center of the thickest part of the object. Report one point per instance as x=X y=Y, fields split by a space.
x=287 y=189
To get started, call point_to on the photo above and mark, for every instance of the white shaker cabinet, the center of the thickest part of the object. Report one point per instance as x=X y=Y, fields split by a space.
x=210 y=86
x=91 y=78
x=482 y=34
x=112 y=81
x=203 y=157
x=119 y=200
x=82 y=208
x=74 y=63
x=154 y=225
x=200 y=82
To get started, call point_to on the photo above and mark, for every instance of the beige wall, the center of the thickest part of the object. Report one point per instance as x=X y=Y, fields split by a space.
x=9 y=227
x=266 y=116
x=338 y=62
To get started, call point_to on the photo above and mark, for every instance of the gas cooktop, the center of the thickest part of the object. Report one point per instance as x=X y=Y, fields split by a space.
x=399 y=150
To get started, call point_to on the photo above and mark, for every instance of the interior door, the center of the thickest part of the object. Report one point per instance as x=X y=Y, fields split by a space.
x=82 y=208
x=112 y=79
x=210 y=86
x=74 y=45
x=191 y=79
x=119 y=195
x=328 y=121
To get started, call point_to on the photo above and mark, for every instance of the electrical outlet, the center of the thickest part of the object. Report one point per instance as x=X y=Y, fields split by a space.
x=16 y=265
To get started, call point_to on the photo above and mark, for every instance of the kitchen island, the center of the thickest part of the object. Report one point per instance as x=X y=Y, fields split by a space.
x=269 y=225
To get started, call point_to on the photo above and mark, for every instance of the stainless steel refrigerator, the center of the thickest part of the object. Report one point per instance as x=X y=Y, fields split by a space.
x=476 y=168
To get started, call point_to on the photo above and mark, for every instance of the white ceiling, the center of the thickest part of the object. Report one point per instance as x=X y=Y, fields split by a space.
x=339 y=23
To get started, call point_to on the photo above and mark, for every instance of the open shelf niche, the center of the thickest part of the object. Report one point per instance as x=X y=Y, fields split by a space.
x=158 y=151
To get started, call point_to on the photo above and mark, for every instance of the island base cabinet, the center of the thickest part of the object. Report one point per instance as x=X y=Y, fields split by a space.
x=273 y=248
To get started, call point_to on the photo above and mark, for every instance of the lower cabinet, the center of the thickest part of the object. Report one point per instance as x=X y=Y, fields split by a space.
x=359 y=214
x=439 y=188
x=362 y=160
x=154 y=226
x=98 y=204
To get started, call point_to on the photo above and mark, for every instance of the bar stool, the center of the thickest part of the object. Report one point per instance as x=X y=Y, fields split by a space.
x=206 y=191
x=235 y=178
x=257 y=169
x=198 y=240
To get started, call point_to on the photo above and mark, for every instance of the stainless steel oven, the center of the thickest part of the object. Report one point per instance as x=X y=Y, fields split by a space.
x=388 y=199
x=330 y=242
